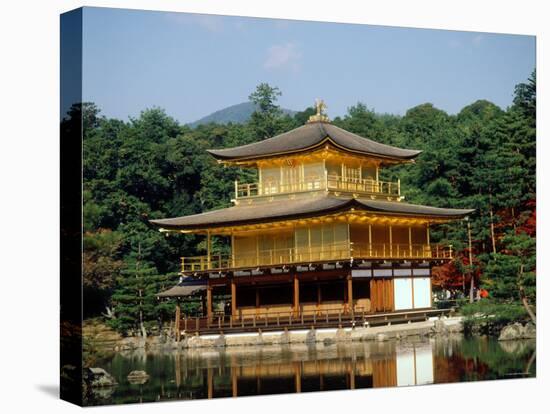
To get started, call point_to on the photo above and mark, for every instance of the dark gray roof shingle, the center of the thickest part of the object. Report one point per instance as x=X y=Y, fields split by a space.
x=183 y=289
x=268 y=211
x=309 y=136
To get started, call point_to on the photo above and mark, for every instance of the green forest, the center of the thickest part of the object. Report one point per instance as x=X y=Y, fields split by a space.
x=484 y=157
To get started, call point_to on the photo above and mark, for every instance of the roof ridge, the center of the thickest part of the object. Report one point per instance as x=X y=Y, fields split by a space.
x=257 y=142
x=359 y=137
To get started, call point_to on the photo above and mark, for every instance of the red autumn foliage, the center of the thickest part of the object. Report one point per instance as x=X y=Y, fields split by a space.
x=449 y=276
x=529 y=222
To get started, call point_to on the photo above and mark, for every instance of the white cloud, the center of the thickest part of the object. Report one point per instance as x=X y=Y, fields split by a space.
x=286 y=56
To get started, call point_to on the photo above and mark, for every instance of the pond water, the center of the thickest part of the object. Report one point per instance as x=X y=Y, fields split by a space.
x=230 y=372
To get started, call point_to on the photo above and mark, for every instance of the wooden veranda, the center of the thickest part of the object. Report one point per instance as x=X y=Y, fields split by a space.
x=286 y=321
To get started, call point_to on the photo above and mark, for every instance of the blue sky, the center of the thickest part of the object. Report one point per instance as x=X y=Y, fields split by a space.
x=192 y=65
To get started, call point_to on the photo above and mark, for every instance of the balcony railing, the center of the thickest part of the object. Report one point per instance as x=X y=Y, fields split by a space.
x=296 y=255
x=329 y=183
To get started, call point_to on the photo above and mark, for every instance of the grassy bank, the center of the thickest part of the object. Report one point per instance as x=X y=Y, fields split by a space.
x=489 y=317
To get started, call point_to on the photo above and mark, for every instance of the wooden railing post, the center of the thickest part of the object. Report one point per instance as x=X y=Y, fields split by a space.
x=236 y=189
x=233 y=298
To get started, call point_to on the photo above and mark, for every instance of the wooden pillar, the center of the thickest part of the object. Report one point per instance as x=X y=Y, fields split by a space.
x=257 y=250
x=391 y=241
x=280 y=189
x=428 y=233
x=260 y=185
x=370 y=240
x=209 y=302
x=233 y=299
x=428 y=249
x=410 y=242
x=350 y=294
x=296 y=295
x=232 y=250
x=319 y=298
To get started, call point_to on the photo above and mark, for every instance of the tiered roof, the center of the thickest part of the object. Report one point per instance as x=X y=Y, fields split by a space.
x=315 y=134
x=311 y=136
x=278 y=210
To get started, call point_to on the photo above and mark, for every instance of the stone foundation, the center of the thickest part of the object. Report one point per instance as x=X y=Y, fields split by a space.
x=327 y=336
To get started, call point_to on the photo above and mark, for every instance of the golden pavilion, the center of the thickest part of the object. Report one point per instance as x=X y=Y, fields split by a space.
x=318 y=241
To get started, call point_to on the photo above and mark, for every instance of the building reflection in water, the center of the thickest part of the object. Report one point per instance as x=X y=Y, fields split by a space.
x=232 y=372
x=301 y=368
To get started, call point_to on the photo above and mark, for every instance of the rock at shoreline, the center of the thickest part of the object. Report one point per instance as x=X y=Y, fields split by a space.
x=284 y=337
x=131 y=343
x=530 y=331
x=311 y=336
x=341 y=335
x=220 y=341
x=518 y=331
x=98 y=377
x=138 y=377
x=511 y=332
x=440 y=327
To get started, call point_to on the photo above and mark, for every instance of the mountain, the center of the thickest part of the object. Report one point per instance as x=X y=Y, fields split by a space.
x=236 y=113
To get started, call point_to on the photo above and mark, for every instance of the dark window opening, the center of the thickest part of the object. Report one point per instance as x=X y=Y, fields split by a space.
x=276 y=295
x=308 y=292
x=361 y=289
x=333 y=291
x=246 y=296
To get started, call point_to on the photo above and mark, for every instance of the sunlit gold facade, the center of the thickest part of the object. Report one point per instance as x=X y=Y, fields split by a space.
x=317 y=238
